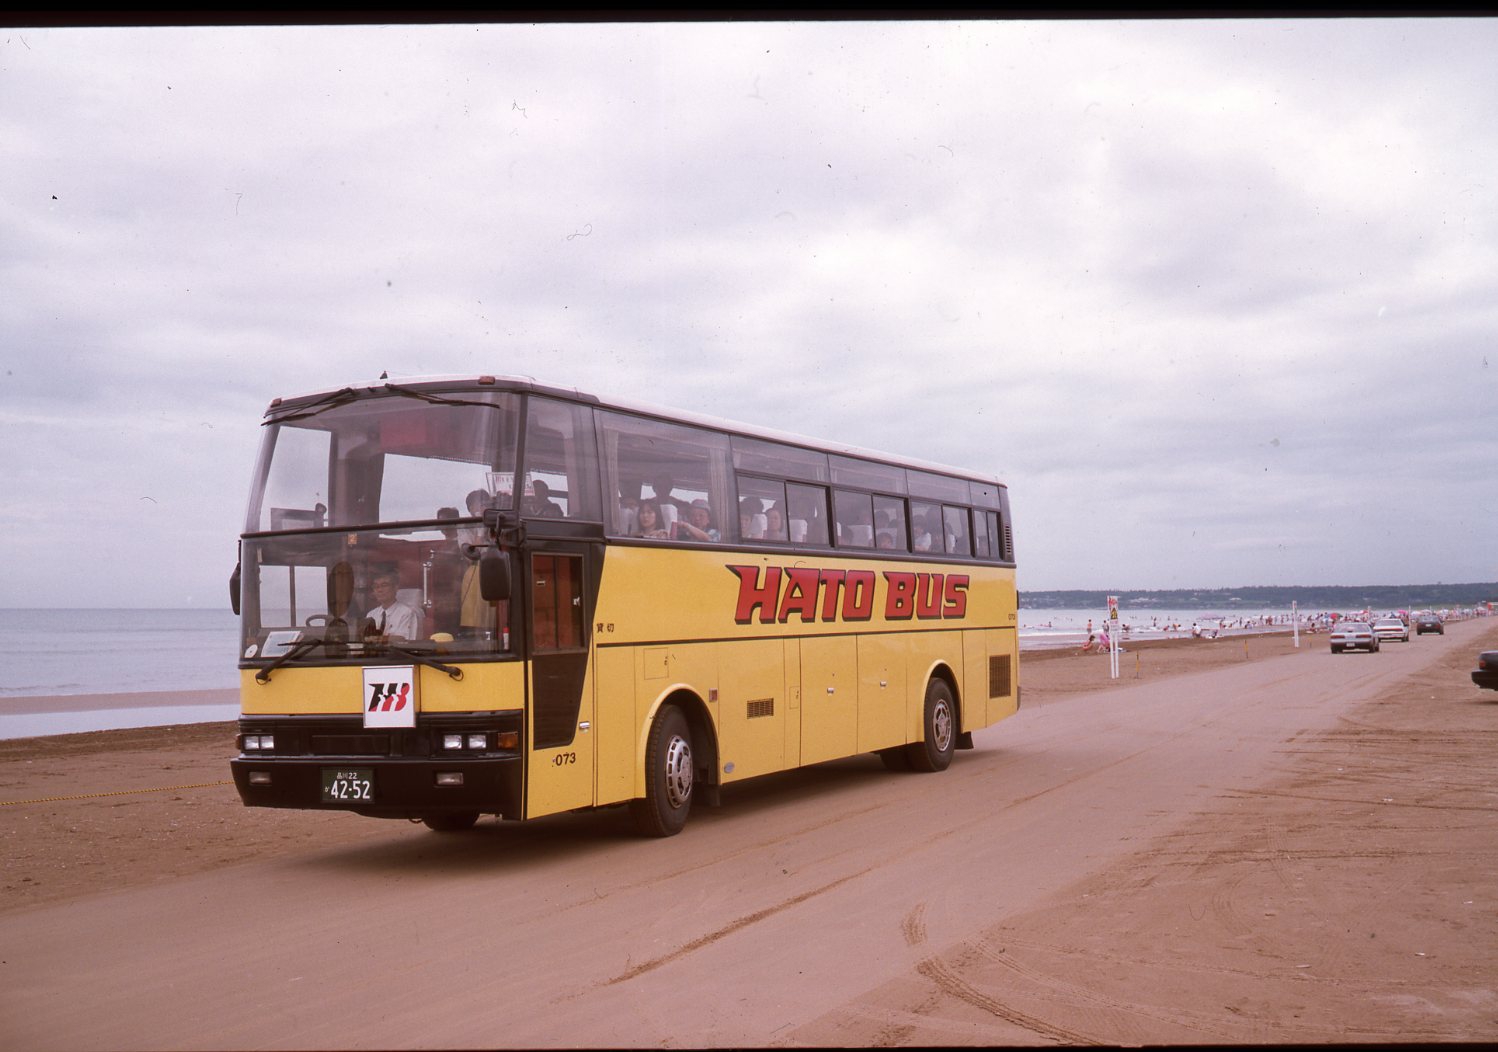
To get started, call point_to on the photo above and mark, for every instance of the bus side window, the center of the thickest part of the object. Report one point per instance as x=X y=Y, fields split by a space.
x=925 y=527
x=669 y=465
x=762 y=504
x=808 y=514
x=854 y=515
x=890 y=530
x=957 y=530
x=561 y=461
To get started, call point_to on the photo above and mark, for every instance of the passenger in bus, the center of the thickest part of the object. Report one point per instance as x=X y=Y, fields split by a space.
x=475 y=617
x=538 y=502
x=885 y=539
x=648 y=522
x=390 y=617
x=956 y=534
x=698 y=526
x=476 y=501
x=662 y=488
x=751 y=520
x=920 y=534
x=775 y=523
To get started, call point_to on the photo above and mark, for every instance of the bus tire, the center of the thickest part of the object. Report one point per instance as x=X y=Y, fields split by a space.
x=451 y=821
x=668 y=776
x=934 y=752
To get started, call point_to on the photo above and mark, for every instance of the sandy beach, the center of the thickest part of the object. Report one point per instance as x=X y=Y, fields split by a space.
x=1343 y=895
x=103 y=809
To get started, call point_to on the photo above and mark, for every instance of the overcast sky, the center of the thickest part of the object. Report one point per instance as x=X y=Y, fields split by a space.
x=1217 y=299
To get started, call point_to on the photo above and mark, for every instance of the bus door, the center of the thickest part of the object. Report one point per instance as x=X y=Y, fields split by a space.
x=560 y=767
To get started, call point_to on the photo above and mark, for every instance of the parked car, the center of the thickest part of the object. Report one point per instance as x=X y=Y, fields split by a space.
x=1391 y=628
x=1486 y=673
x=1350 y=635
x=1429 y=623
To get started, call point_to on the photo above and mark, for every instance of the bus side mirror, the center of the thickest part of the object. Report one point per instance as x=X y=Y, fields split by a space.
x=234 y=589
x=494 y=576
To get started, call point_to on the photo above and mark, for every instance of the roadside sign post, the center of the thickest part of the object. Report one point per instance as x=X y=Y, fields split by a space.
x=1113 y=636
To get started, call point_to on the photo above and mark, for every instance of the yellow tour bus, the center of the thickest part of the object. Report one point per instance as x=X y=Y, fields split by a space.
x=481 y=595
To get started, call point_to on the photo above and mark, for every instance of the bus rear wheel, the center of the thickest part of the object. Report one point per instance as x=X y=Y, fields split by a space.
x=934 y=753
x=451 y=821
x=668 y=776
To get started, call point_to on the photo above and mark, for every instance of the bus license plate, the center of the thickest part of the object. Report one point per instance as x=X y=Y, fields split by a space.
x=347 y=785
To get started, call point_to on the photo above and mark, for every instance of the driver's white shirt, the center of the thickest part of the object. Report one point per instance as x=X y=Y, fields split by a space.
x=400 y=621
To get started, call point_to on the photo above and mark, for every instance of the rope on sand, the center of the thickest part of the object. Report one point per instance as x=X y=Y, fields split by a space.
x=118 y=792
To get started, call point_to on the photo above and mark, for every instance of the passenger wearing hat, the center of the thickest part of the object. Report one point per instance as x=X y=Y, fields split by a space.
x=698 y=525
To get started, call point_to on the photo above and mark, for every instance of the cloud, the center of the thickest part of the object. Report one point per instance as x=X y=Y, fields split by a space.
x=1206 y=294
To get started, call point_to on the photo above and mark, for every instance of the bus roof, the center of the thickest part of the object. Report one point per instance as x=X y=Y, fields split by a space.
x=500 y=382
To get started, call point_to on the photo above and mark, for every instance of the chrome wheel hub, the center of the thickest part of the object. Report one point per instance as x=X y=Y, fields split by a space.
x=678 y=772
x=941 y=726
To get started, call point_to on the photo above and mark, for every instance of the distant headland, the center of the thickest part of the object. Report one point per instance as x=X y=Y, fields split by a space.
x=1270 y=597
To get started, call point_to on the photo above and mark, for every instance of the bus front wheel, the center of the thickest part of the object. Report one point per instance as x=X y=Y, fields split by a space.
x=934 y=753
x=668 y=776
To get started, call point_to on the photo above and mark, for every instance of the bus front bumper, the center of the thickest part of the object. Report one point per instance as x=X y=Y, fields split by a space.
x=398 y=788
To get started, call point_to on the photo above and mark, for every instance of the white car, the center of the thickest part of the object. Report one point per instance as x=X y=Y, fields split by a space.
x=1392 y=628
x=1349 y=635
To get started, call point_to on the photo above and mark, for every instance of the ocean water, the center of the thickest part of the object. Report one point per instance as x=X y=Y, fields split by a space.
x=116 y=651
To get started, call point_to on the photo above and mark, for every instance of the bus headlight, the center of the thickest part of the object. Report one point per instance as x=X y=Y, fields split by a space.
x=478 y=741
x=452 y=741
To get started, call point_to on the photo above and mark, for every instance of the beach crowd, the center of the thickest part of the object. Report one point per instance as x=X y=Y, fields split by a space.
x=1100 y=641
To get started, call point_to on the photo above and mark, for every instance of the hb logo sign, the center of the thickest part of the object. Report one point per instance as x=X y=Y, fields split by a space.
x=390 y=696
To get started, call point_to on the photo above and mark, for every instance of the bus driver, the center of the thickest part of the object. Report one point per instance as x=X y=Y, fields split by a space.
x=389 y=616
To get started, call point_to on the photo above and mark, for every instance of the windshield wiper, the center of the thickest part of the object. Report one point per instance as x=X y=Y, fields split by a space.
x=297 y=649
x=421 y=659
x=320 y=405
x=435 y=399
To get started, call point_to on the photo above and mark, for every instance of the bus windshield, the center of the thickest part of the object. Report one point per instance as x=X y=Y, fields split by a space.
x=357 y=461
x=321 y=572
x=334 y=594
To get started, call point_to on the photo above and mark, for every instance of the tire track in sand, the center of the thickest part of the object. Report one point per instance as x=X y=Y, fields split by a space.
x=948 y=981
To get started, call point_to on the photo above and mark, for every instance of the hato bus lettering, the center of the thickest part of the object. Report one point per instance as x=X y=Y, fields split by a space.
x=777 y=592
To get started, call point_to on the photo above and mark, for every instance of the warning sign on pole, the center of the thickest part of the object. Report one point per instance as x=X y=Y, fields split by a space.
x=1114 y=637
